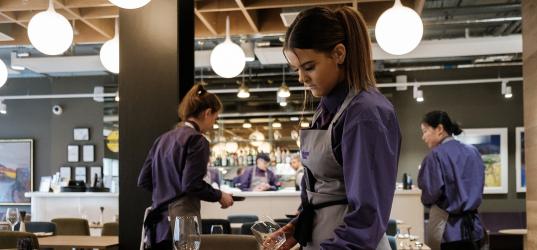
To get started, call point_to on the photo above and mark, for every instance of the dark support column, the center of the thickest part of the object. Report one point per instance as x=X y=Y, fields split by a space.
x=149 y=84
x=186 y=46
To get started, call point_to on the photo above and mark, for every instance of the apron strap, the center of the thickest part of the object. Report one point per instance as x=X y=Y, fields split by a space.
x=344 y=105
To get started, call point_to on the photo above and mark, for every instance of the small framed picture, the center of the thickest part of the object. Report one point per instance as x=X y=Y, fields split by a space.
x=65 y=173
x=95 y=172
x=80 y=174
x=72 y=153
x=81 y=134
x=44 y=185
x=88 y=152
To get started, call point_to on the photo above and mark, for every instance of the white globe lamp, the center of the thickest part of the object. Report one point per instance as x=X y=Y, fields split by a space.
x=109 y=53
x=130 y=4
x=3 y=73
x=399 y=29
x=50 y=32
x=227 y=58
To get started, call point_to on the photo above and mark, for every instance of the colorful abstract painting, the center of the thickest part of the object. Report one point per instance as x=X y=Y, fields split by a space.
x=16 y=169
x=492 y=145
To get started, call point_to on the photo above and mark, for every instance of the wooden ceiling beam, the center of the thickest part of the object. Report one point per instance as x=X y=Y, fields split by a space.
x=217 y=6
x=205 y=21
x=94 y=24
x=88 y=3
x=99 y=12
x=12 y=18
x=251 y=21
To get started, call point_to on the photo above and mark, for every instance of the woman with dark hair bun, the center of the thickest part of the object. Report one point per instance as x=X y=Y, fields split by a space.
x=176 y=165
x=451 y=178
x=350 y=152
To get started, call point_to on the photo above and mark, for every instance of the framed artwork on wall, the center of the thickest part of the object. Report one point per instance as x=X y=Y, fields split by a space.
x=81 y=134
x=16 y=171
x=520 y=161
x=492 y=145
x=88 y=153
x=80 y=174
x=65 y=173
x=72 y=153
x=95 y=171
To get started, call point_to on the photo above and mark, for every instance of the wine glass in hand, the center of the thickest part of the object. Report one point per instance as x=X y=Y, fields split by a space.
x=12 y=217
x=264 y=230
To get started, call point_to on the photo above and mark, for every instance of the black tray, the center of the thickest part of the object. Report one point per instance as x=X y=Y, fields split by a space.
x=238 y=198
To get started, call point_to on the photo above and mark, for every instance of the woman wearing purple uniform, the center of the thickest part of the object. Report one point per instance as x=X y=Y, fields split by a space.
x=176 y=164
x=451 y=178
x=351 y=150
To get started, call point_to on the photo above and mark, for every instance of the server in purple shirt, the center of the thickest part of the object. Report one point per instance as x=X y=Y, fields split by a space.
x=176 y=164
x=259 y=177
x=451 y=178
x=351 y=151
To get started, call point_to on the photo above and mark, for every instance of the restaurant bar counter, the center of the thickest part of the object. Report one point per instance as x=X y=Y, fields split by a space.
x=406 y=206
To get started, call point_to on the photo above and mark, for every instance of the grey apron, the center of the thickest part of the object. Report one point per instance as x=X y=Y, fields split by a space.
x=257 y=180
x=318 y=157
x=436 y=227
x=186 y=205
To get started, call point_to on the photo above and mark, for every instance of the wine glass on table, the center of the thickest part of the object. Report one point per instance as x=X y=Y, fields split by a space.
x=186 y=233
x=12 y=217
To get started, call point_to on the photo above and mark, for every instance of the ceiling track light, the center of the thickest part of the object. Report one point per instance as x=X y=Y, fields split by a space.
x=506 y=90
x=418 y=94
x=247 y=125
x=3 y=107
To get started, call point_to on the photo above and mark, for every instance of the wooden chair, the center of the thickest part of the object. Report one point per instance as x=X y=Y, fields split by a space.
x=9 y=239
x=110 y=229
x=71 y=226
x=228 y=242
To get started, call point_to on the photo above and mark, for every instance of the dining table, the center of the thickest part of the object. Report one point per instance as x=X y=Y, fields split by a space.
x=78 y=241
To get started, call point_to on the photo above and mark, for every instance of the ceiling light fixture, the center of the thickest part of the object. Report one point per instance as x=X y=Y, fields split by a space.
x=109 y=53
x=50 y=32
x=506 y=90
x=247 y=125
x=283 y=91
x=399 y=29
x=130 y=4
x=305 y=124
x=244 y=91
x=227 y=58
x=276 y=125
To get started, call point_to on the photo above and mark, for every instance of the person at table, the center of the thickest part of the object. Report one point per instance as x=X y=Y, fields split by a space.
x=351 y=151
x=176 y=164
x=212 y=177
x=259 y=177
x=299 y=170
x=451 y=179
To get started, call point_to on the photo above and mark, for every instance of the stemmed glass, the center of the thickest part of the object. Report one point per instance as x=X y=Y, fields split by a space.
x=12 y=217
x=217 y=229
x=265 y=227
x=186 y=233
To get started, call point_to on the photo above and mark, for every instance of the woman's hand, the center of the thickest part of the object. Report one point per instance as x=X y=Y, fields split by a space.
x=226 y=200
x=288 y=231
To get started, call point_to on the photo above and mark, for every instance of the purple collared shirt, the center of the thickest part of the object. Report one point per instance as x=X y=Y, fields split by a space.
x=452 y=177
x=366 y=142
x=176 y=165
x=244 y=181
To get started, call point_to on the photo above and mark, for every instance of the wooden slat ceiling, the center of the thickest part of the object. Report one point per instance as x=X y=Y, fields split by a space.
x=94 y=19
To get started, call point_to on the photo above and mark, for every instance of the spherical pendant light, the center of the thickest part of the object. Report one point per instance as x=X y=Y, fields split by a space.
x=3 y=73
x=110 y=53
x=130 y=4
x=227 y=58
x=50 y=32
x=399 y=29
